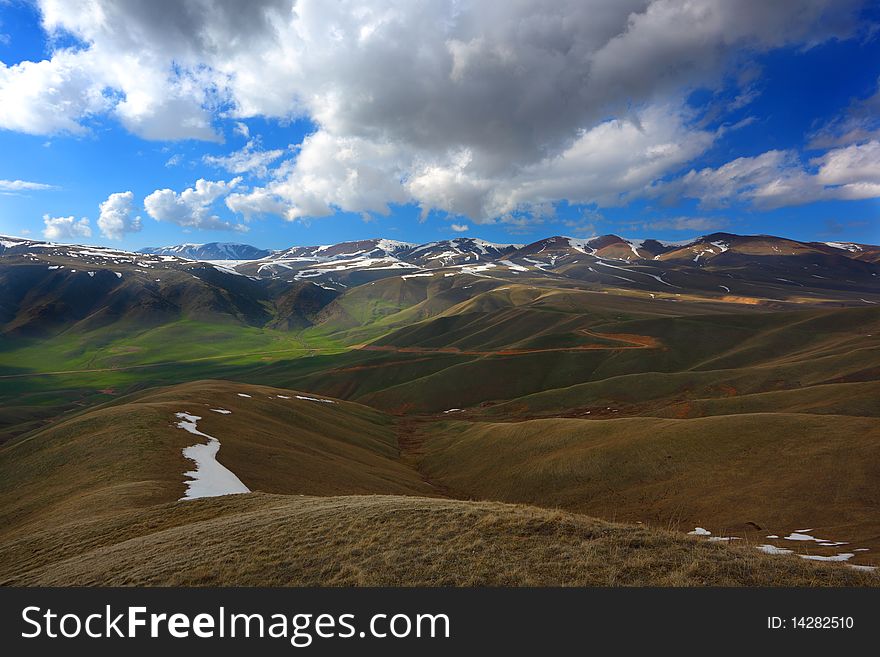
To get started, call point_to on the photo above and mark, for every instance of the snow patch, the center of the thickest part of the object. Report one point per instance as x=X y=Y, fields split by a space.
x=699 y=531
x=845 y=246
x=209 y=479
x=772 y=549
x=314 y=399
x=843 y=556
x=512 y=265
x=222 y=411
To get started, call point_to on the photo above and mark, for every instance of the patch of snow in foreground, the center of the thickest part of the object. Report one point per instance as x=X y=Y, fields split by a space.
x=799 y=535
x=860 y=567
x=283 y=397
x=772 y=549
x=699 y=531
x=452 y=410
x=241 y=394
x=323 y=401
x=843 y=556
x=222 y=411
x=209 y=479
x=716 y=539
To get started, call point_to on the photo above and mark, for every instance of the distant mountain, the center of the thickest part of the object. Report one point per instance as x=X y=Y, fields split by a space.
x=45 y=287
x=210 y=251
x=461 y=250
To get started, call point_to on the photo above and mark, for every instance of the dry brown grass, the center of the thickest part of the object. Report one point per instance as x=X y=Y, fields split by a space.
x=128 y=455
x=269 y=540
x=91 y=499
x=781 y=471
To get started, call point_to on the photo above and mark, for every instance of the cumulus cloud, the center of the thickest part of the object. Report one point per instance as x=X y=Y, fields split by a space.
x=117 y=216
x=49 y=96
x=779 y=178
x=249 y=159
x=193 y=207
x=24 y=186
x=854 y=164
x=331 y=173
x=473 y=107
x=460 y=228
x=257 y=203
x=65 y=228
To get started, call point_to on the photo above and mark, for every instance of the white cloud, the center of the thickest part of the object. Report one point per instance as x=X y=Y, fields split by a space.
x=117 y=216
x=242 y=130
x=192 y=208
x=473 y=107
x=249 y=159
x=257 y=203
x=601 y=167
x=779 y=178
x=852 y=164
x=460 y=228
x=24 y=186
x=65 y=228
x=49 y=96
x=329 y=174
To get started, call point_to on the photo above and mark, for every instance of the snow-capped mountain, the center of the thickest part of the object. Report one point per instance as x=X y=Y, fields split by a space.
x=458 y=251
x=210 y=251
x=710 y=262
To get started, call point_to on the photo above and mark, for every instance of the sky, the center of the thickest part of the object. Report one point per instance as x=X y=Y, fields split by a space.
x=282 y=122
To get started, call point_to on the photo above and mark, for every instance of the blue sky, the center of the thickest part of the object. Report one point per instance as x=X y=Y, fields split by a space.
x=446 y=121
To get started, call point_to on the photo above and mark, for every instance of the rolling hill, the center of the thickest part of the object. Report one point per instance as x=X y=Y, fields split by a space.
x=91 y=501
x=382 y=395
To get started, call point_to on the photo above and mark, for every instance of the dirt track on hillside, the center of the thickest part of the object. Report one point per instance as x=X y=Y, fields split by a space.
x=626 y=340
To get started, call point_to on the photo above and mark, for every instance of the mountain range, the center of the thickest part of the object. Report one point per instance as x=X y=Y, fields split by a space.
x=48 y=287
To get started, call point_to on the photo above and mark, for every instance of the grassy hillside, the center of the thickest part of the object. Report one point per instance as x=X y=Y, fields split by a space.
x=751 y=412
x=272 y=540
x=127 y=454
x=747 y=474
